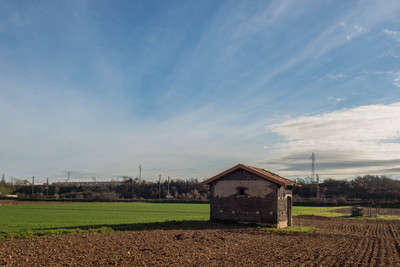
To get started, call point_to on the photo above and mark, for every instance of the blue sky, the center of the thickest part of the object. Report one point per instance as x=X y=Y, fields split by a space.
x=191 y=88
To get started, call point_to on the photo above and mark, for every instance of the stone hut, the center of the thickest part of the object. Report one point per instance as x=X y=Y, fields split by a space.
x=251 y=195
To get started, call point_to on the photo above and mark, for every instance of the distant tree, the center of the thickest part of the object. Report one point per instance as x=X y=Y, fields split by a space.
x=367 y=187
x=126 y=178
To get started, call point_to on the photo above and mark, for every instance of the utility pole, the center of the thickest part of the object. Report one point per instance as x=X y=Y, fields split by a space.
x=33 y=185
x=314 y=178
x=313 y=166
x=159 y=186
x=168 y=187
x=47 y=187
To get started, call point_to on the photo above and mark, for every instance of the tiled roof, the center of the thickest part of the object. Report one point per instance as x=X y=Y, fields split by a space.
x=257 y=171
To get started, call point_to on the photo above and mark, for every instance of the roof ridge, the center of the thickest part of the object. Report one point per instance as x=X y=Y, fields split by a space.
x=263 y=170
x=257 y=171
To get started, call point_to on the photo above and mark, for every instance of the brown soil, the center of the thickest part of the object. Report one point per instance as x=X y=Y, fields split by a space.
x=336 y=242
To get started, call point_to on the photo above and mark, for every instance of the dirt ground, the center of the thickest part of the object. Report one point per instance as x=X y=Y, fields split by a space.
x=335 y=242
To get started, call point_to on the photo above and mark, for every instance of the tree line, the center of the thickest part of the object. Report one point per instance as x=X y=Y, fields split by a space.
x=175 y=189
x=367 y=187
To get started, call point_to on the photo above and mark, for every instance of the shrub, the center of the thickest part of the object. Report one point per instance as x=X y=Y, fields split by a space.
x=356 y=211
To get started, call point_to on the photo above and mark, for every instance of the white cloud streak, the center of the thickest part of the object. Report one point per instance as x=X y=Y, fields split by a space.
x=355 y=31
x=355 y=23
x=337 y=99
x=339 y=76
x=396 y=79
x=355 y=141
x=393 y=34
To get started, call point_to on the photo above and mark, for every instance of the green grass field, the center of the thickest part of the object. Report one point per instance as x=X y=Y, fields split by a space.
x=43 y=219
x=40 y=219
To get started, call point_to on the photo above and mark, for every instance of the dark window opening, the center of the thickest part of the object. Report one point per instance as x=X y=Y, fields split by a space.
x=241 y=190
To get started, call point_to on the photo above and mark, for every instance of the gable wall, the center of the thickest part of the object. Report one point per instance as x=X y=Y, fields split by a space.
x=258 y=204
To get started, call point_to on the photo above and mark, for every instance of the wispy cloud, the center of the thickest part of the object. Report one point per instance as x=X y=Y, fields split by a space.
x=393 y=76
x=337 y=99
x=396 y=79
x=393 y=34
x=348 y=142
x=339 y=76
x=356 y=22
x=355 y=31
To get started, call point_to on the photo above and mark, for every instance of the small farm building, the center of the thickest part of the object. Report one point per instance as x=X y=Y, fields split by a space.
x=251 y=195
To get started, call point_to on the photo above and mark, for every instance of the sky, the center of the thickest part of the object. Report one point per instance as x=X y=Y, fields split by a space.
x=189 y=89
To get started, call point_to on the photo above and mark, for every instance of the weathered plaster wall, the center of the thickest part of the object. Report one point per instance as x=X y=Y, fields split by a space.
x=283 y=213
x=244 y=197
x=282 y=207
x=252 y=188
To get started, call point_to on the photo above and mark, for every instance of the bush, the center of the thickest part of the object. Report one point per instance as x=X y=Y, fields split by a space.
x=357 y=211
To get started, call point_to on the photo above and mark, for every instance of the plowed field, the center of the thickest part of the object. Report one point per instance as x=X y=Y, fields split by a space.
x=335 y=242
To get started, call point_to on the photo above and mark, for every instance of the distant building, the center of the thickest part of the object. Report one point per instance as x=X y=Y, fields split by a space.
x=251 y=195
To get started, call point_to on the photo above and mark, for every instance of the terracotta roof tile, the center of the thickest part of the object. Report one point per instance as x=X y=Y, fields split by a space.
x=257 y=171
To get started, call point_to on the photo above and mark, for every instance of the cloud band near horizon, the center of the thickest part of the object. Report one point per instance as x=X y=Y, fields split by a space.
x=347 y=142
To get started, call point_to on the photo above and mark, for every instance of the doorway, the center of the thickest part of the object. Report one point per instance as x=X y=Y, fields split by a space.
x=289 y=211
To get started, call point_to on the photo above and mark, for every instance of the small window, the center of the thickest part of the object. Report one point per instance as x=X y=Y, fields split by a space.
x=241 y=191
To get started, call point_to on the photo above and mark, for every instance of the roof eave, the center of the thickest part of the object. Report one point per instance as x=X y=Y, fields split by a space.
x=221 y=174
x=242 y=166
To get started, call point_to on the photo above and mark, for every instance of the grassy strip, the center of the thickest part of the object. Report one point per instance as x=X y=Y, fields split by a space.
x=331 y=213
x=319 y=211
x=293 y=229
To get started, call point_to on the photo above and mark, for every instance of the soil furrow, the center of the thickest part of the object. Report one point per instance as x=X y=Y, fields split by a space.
x=335 y=242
